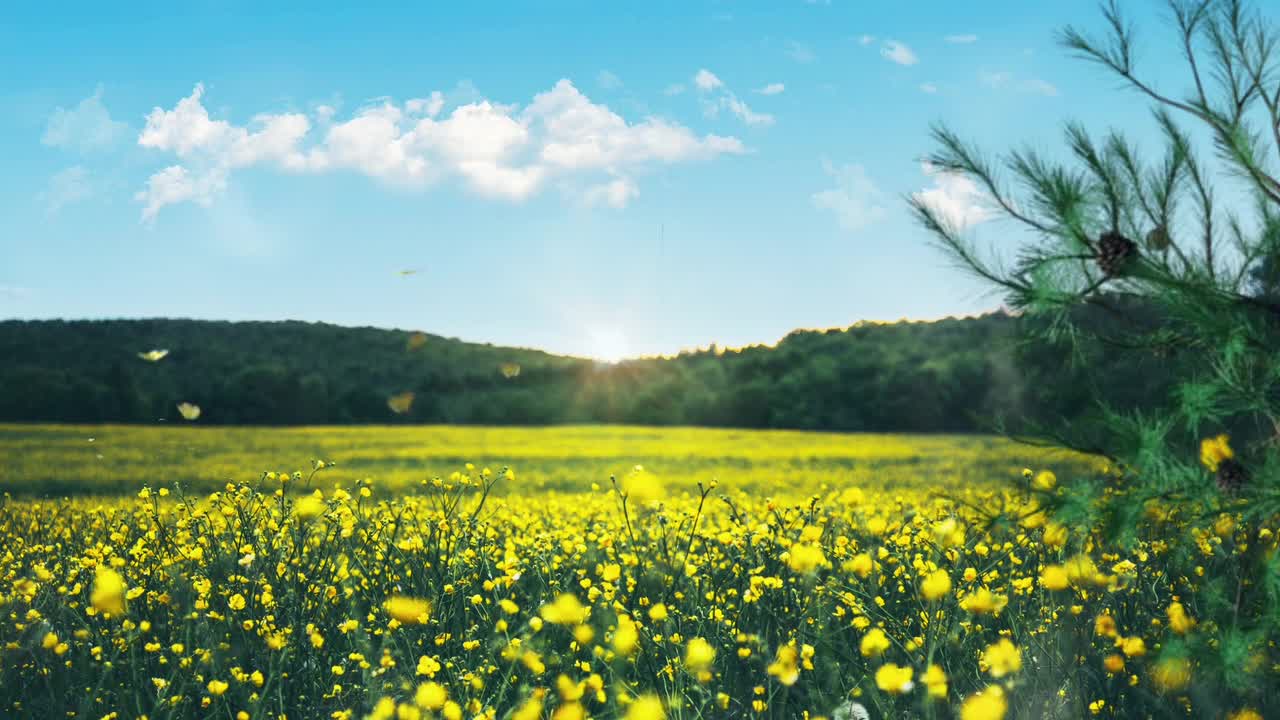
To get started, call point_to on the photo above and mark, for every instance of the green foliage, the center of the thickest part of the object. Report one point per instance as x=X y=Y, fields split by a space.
x=945 y=376
x=1182 y=276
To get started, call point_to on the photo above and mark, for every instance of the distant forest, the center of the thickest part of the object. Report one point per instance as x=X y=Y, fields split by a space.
x=952 y=375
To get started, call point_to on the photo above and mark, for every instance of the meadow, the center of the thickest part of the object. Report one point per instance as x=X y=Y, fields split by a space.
x=502 y=573
x=107 y=459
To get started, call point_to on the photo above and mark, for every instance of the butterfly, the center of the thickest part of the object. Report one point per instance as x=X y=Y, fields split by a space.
x=510 y=370
x=407 y=273
x=189 y=411
x=417 y=340
x=153 y=355
x=401 y=403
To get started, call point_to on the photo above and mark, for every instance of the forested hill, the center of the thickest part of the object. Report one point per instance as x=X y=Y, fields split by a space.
x=952 y=375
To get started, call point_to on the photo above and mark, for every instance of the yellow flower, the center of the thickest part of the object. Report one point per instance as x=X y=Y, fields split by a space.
x=1105 y=626
x=310 y=507
x=990 y=704
x=1224 y=526
x=236 y=602
x=1054 y=577
x=1214 y=450
x=566 y=610
x=1081 y=570
x=50 y=641
x=1055 y=535
x=1133 y=647
x=784 y=666
x=430 y=696
x=874 y=643
x=877 y=526
x=1179 y=621
x=1045 y=480
x=936 y=584
x=107 y=595
x=646 y=707
x=1002 y=658
x=407 y=610
x=699 y=654
x=530 y=710
x=658 y=612
x=1172 y=674
x=1113 y=663
x=570 y=711
x=626 y=637
x=861 y=565
x=893 y=679
x=806 y=558
x=936 y=681
x=428 y=666
x=948 y=533
x=217 y=687
x=1245 y=714
x=982 y=601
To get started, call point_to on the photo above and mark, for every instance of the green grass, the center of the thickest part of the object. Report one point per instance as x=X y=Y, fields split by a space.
x=93 y=459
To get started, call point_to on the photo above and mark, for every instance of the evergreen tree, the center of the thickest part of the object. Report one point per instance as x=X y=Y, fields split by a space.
x=1131 y=257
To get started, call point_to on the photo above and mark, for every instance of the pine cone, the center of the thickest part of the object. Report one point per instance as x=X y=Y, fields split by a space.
x=1114 y=253
x=1231 y=476
x=1158 y=239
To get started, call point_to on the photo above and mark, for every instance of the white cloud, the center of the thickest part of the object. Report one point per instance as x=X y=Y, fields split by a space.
x=174 y=185
x=494 y=150
x=66 y=187
x=772 y=89
x=705 y=80
x=899 y=53
x=865 y=40
x=1005 y=80
x=855 y=199
x=86 y=127
x=954 y=197
x=800 y=52
x=429 y=106
x=608 y=80
x=615 y=193
x=929 y=88
x=962 y=39
x=744 y=113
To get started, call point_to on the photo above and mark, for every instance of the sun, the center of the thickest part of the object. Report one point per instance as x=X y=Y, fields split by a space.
x=608 y=345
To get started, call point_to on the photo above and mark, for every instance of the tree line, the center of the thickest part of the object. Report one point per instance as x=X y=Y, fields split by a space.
x=952 y=375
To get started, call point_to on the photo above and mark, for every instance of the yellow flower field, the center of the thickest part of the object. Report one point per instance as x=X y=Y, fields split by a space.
x=720 y=574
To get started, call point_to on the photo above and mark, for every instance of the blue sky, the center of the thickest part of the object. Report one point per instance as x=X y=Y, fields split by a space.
x=591 y=178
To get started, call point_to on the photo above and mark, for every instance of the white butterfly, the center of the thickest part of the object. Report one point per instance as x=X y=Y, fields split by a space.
x=189 y=411
x=153 y=355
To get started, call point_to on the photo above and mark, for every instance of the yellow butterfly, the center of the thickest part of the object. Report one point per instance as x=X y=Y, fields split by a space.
x=417 y=340
x=189 y=411
x=401 y=403
x=153 y=355
x=407 y=273
x=510 y=370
